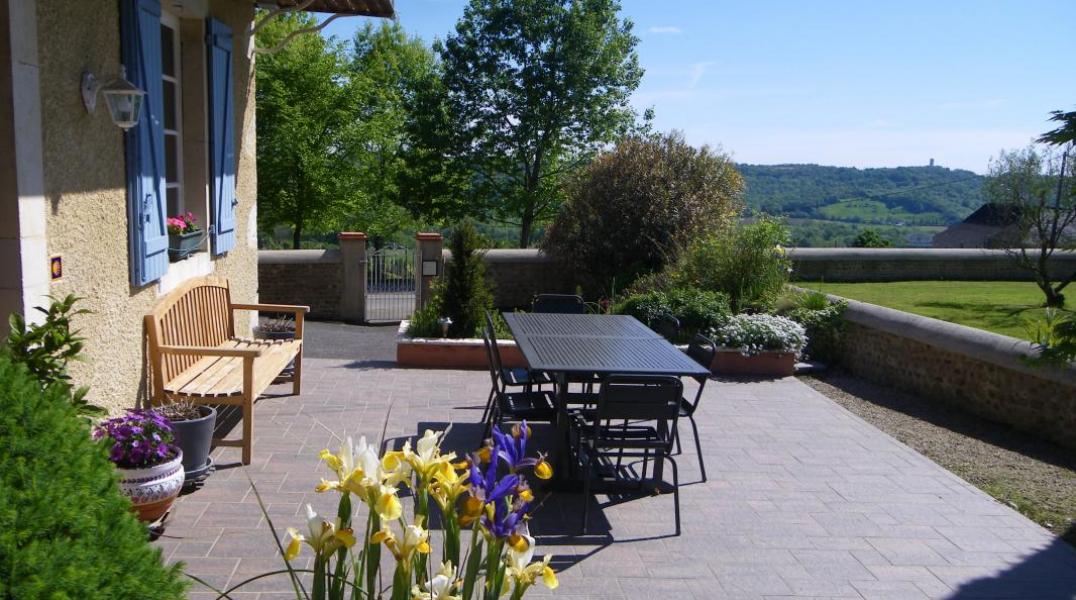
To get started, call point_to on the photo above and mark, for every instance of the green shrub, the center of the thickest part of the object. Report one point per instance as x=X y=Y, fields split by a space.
x=823 y=320
x=65 y=529
x=1054 y=337
x=46 y=348
x=748 y=263
x=464 y=295
x=630 y=210
x=697 y=310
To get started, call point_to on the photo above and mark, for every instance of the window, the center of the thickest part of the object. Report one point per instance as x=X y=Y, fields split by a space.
x=173 y=113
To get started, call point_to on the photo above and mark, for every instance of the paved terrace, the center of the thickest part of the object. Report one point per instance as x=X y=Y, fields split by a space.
x=804 y=500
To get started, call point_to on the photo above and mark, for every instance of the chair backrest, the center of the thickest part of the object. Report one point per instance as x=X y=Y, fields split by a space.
x=494 y=350
x=197 y=313
x=569 y=304
x=639 y=397
x=667 y=326
x=494 y=359
x=702 y=350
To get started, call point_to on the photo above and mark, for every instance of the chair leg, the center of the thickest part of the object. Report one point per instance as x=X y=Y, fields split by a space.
x=676 y=492
x=586 y=491
x=676 y=436
x=297 y=374
x=698 y=446
x=248 y=428
x=489 y=404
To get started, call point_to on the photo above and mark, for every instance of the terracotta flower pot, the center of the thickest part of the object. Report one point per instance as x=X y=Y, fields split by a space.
x=729 y=361
x=152 y=490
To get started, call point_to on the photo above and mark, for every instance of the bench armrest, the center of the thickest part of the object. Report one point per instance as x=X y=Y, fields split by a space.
x=273 y=308
x=209 y=351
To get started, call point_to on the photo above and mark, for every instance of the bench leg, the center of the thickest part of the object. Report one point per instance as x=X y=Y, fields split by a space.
x=297 y=374
x=248 y=428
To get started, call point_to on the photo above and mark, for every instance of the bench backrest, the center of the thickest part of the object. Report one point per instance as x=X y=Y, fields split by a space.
x=198 y=313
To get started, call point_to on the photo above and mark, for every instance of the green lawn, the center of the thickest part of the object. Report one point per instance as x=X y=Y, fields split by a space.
x=1003 y=307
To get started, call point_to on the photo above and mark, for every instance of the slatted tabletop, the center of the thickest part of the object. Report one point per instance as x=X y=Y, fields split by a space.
x=600 y=344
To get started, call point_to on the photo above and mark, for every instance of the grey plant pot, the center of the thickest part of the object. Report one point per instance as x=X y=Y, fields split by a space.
x=195 y=438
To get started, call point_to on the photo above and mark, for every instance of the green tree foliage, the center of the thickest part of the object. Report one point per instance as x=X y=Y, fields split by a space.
x=823 y=320
x=1065 y=133
x=330 y=127
x=870 y=238
x=530 y=89
x=65 y=529
x=909 y=195
x=748 y=263
x=308 y=111
x=1038 y=186
x=631 y=209
x=47 y=347
x=387 y=67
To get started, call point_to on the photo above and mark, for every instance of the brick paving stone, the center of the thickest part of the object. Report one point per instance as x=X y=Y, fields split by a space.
x=804 y=500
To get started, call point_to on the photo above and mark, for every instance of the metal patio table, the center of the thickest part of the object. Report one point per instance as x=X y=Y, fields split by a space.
x=566 y=344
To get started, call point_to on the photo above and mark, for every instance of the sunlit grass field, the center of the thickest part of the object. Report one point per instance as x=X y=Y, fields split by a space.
x=1005 y=307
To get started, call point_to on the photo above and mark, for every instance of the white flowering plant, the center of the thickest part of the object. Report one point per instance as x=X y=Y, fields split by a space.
x=755 y=334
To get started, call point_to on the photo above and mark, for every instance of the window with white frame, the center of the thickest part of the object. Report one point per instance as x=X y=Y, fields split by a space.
x=173 y=113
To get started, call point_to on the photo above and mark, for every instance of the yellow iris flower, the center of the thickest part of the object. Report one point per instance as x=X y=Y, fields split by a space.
x=525 y=572
x=415 y=539
x=362 y=473
x=426 y=458
x=324 y=537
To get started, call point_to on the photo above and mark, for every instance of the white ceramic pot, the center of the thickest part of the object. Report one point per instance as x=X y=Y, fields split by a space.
x=152 y=490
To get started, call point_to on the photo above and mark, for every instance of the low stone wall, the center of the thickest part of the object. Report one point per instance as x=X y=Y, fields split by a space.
x=313 y=278
x=971 y=369
x=911 y=264
x=517 y=275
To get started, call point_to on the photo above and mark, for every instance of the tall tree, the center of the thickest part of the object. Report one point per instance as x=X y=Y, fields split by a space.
x=308 y=110
x=1037 y=185
x=388 y=68
x=532 y=88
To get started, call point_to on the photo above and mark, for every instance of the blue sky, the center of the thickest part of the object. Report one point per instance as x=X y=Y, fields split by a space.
x=866 y=84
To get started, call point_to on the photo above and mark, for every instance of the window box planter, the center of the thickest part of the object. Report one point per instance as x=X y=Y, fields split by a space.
x=729 y=361
x=442 y=353
x=182 y=245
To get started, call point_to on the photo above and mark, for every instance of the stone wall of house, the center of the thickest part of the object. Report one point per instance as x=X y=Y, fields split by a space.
x=313 y=278
x=973 y=370
x=82 y=160
x=910 y=264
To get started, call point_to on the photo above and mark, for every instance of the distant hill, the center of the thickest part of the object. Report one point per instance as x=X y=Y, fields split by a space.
x=899 y=196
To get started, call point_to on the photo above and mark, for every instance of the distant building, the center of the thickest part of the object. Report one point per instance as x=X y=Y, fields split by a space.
x=932 y=162
x=992 y=226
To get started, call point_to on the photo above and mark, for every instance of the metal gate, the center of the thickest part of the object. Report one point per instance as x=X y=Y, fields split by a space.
x=390 y=284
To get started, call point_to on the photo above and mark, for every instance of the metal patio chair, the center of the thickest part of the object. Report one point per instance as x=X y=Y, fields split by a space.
x=667 y=326
x=503 y=405
x=701 y=350
x=559 y=303
x=635 y=418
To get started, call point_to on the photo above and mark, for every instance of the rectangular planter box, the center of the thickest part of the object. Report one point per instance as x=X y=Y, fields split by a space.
x=728 y=361
x=440 y=353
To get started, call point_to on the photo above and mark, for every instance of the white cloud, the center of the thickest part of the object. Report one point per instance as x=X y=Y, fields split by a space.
x=665 y=30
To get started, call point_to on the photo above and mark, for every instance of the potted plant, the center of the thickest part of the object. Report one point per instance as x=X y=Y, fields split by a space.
x=759 y=344
x=150 y=464
x=184 y=236
x=193 y=428
x=282 y=328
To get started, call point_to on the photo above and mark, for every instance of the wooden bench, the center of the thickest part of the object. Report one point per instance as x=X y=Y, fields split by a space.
x=194 y=354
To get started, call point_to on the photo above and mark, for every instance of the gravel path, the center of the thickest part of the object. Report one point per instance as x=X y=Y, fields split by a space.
x=1036 y=477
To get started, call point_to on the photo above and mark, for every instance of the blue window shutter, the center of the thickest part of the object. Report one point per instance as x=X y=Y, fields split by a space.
x=140 y=27
x=221 y=135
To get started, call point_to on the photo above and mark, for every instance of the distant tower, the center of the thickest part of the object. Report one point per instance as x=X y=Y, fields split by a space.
x=932 y=162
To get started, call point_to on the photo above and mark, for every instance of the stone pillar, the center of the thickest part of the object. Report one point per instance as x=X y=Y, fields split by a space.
x=428 y=247
x=353 y=269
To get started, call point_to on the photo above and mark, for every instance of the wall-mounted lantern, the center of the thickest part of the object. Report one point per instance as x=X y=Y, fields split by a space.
x=124 y=99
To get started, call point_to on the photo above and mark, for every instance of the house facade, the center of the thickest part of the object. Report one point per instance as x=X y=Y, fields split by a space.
x=84 y=202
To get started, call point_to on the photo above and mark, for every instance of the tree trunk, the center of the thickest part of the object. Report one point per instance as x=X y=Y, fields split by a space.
x=297 y=235
x=526 y=223
x=1054 y=299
